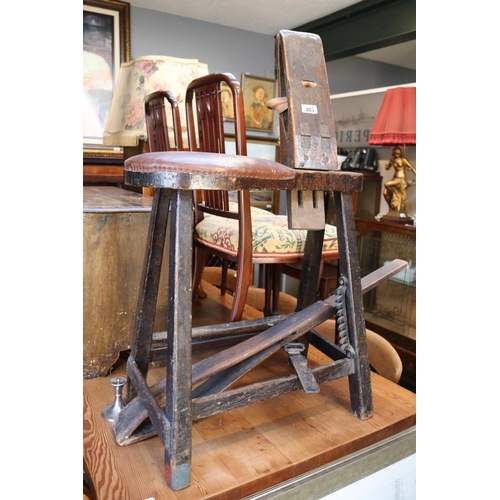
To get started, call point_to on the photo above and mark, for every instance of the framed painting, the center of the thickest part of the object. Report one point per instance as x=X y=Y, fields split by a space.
x=256 y=92
x=226 y=97
x=106 y=44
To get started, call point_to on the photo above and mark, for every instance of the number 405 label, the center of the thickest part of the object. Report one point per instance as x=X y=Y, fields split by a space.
x=311 y=109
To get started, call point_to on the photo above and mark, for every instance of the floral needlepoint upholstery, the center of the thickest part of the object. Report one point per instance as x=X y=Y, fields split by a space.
x=142 y=76
x=271 y=236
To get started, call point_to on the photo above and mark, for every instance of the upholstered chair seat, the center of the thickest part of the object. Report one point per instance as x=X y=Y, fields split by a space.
x=271 y=237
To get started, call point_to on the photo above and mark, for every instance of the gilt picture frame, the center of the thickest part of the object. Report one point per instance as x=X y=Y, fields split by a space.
x=106 y=44
x=257 y=91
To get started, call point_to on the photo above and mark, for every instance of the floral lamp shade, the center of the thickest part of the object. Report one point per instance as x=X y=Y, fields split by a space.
x=126 y=122
x=396 y=122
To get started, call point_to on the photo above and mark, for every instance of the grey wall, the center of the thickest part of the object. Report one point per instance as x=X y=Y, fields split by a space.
x=229 y=50
x=238 y=51
x=355 y=73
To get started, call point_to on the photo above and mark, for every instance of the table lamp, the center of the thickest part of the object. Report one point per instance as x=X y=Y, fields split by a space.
x=396 y=126
x=126 y=124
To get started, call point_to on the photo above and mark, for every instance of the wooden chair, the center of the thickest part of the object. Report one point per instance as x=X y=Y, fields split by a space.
x=238 y=233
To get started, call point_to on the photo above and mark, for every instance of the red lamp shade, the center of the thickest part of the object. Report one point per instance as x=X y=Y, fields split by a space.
x=396 y=122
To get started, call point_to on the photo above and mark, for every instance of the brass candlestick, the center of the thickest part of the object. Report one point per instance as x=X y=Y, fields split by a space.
x=111 y=411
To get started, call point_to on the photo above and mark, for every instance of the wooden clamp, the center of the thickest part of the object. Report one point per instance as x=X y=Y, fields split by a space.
x=299 y=364
x=307 y=132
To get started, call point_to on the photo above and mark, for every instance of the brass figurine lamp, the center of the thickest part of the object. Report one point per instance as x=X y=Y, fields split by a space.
x=395 y=126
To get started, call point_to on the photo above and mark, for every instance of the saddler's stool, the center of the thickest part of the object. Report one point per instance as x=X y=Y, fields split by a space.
x=191 y=392
x=174 y=175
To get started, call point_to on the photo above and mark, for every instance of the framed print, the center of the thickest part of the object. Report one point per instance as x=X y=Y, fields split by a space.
x=106 y=44
x=256 y=92
x=226 y=97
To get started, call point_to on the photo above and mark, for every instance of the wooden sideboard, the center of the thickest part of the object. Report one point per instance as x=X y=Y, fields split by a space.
x=106 y=170
x=101 y=173
x=115 y=227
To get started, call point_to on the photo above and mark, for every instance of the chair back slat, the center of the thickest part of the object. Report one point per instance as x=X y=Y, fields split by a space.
x=205 y=123
x=157 y=124
x=210 y=121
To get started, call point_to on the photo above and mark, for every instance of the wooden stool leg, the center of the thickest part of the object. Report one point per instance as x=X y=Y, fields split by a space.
x=310 y=275
x=223 y=282
x=268 y=285
x=178 y=381
x=360 y=382
x=199 y=264
x=276 y=283
x=310 y=272
x=148 y=292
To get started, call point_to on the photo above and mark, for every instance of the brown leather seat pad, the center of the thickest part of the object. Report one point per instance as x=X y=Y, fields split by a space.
x=188 y=169
x=208 y=164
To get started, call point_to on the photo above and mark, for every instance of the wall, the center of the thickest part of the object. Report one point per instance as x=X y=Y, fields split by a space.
x=355 y=73
x=238 y=51
x=224 y=49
